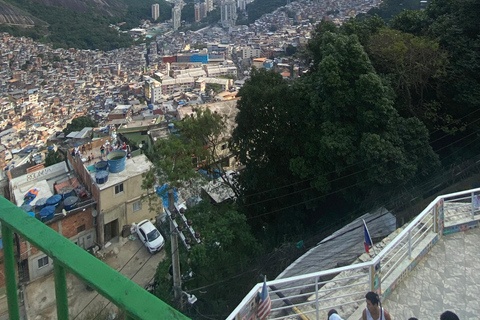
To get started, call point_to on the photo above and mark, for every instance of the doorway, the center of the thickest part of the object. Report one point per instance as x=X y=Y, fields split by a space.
x=110 y=230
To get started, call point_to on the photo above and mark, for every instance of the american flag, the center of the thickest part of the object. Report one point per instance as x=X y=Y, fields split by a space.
x=265 y=304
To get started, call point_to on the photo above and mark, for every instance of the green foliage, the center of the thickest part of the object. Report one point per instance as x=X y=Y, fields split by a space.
x=352 y=120
x=217 y=88
x=196 y=144
x=334 y=129
x=86 y=30
x=258 y=8
x=227 y=251
x=78 y=124
x=413 y=65
x=36 y=33
x=172 y=159
x=390 y=8
x=290 y=50
x=53 y=157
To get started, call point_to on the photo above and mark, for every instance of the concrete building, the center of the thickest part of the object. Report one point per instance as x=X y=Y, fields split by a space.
x=118 y=191
x=209 y=5
x=228 y=10
x=242 y=5
x=249 y=52
x=120 y=112
x=153 y=90
x=176 y=16
x=155 y=11
x=200 y=11
x=75 y=222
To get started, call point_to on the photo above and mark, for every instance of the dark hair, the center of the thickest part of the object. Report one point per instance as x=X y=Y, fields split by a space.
x=332 y=311
x=449 y=315
x=412 y=318
x=373 y=298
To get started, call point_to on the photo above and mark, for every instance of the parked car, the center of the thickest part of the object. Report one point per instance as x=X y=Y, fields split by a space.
x=150 y=236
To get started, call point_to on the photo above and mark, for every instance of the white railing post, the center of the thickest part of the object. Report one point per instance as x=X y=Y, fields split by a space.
x=316 y=298
x=473 y=205
x=435 y=219
x=371 y=277
x=410 y=244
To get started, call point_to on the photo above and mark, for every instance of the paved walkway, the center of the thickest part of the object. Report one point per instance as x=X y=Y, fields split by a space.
x=447 y=279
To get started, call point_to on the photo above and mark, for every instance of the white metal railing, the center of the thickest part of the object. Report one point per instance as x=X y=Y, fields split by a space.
x=349 y=284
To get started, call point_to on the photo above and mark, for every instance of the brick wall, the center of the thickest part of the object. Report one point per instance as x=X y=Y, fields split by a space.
x=68 y=225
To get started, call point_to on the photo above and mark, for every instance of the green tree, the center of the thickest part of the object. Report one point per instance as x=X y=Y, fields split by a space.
x=79 y=123
x=53 y=157
x=290 y=50
x=413 y=66
x=198 y=143
x=215 y=87
x=265 y=139
x=352 y=127
x=227 y=251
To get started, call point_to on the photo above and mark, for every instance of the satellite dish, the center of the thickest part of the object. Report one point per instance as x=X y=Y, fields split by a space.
x=94 y=213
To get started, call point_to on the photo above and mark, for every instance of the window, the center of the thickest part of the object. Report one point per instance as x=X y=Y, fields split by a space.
x=42 y=262
x=81 y=228
x=137 y=206
x=119 y=188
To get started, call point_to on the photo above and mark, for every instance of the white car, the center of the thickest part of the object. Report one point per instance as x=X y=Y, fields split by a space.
x=150 y=236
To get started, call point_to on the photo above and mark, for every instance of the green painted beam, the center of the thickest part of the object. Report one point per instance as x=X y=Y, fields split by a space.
x=127 y=295
x=61 y=294
x=10 y=277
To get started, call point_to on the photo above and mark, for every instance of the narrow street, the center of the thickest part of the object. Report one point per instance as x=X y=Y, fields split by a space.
x=129 y=257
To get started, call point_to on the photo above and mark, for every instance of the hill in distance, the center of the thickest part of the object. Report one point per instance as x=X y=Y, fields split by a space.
x=82 y=24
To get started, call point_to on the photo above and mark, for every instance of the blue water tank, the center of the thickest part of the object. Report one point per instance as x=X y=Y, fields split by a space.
x=116 y=161
x=101 y=166
x=101 y=177
x=26 y=207
x=66 y=192
x=41 y=203
x=70 y=203
x=54 y=200
x=47 y=213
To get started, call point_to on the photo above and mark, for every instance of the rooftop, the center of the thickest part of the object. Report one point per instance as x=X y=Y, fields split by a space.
x=133 y=167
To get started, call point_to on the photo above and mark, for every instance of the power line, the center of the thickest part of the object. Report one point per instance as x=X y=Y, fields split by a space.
x=325 y=228
x=109 y=302
x=357 y=163
x=354 y=185
x=99 y=293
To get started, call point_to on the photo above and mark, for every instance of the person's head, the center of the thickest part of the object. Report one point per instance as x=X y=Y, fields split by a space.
x=333 y=315
x=449 y=315
x=332 y=311
x=372 y=300
x=412 y=318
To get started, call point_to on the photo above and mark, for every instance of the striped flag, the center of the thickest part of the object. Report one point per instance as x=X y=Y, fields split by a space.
x=265 y=304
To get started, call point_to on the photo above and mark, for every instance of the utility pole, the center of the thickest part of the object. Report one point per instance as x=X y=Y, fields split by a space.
x=177 y=281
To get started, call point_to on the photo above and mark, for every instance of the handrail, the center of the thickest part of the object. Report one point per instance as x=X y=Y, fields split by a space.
x=390 y=248
x=68 y=257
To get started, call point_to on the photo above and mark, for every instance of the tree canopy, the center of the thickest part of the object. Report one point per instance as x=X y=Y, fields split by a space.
x=53 y=157
x=79 y=123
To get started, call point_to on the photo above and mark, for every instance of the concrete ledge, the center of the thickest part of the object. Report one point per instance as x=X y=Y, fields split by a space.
x=357 y=315
x=460 y=225
x=406 y=266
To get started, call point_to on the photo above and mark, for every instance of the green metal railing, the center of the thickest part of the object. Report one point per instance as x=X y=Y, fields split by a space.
x=68 y=257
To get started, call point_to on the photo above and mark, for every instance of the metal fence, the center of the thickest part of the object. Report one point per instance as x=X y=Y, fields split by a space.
x=310 y=296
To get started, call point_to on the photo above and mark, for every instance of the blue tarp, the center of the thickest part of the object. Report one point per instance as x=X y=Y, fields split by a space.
x=162 y=192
